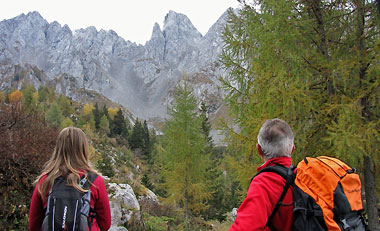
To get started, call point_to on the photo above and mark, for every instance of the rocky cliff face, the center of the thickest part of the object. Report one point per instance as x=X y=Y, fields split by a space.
x=138 y=77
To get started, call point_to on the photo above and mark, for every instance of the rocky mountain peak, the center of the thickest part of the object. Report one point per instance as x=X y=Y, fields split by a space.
x=157 y=33
x=177 y=25
x=35 y=15
x=141 y=78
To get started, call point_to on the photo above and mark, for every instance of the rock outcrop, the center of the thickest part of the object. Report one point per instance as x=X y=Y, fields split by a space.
x=123 y=203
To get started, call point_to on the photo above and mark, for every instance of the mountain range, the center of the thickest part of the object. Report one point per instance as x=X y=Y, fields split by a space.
x=139 y=77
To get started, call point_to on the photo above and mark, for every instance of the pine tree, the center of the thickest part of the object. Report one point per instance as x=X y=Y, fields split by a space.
x=67 y=122
x=147 y=146
x=206 y=127
x=65 y=105
x=184 y=159
x=315 y=65
x=104 y=125
x=119 y=126
x=105 y=165
x=105 y=111
x=136 y=139
x=91 y=123
x=28 y=100
x=54 y=115
x=81 y=121
x=97 y=115
x=43 y=93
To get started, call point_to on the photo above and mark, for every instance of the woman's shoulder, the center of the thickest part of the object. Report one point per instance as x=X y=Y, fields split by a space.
x=42 y=178
x=98 y=186
x=95 y=178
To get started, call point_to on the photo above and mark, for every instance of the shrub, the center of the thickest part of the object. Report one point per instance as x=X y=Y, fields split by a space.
x=26 y=143
x=153 y=223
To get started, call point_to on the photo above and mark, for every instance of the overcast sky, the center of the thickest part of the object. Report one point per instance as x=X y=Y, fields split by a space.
x=131 y=19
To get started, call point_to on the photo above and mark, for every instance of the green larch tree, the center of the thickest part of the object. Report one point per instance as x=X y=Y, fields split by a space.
x=104 y=125
x=314 y=64
x=28 y=100
x=65 y=105
x=43 y=93
x=54 y=115
x=184 y=160
x=67 y=122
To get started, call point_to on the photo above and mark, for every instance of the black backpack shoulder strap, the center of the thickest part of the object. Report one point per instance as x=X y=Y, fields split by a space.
x=92 y=176
x=289 y=176
x=85 y=183
x=279 y=169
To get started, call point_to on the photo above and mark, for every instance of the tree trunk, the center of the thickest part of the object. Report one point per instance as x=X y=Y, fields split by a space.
x=369 y=173
x=315 y=6
x=187 y=212
x=370 y=195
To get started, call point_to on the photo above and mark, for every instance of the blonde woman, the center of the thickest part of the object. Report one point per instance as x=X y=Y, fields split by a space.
x=70 y=163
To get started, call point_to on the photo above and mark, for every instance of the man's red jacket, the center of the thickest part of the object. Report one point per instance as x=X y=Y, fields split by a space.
x=262 y=196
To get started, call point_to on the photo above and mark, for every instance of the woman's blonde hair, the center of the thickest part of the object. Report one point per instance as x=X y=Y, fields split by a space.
x=70 y=158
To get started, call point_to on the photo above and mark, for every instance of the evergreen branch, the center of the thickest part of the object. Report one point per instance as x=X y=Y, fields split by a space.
x=231 y=87
x=311 y=65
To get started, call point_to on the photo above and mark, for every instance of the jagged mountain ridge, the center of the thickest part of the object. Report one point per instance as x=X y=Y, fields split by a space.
x=141 y=78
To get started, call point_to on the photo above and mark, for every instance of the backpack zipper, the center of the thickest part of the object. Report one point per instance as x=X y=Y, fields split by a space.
x=75 y=214
x=53 y=213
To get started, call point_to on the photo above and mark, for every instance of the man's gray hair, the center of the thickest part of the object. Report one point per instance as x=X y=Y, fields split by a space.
x=276 y=139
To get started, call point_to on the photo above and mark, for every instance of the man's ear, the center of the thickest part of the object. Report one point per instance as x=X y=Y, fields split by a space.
x=294 y=147
x=261 y=154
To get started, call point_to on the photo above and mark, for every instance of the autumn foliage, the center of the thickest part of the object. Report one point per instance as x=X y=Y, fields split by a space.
x=26 y=142
x=15 y=96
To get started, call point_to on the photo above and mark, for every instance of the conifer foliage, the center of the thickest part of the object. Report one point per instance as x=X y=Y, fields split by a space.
x=184 y=160
x=315 y=64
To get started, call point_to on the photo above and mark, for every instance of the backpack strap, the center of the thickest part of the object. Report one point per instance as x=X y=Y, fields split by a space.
x=86 y=183
x=289 y=176
x=278 y=168
x=91 y=176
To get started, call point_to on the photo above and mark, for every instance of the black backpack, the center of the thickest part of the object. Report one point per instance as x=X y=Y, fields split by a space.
x=67 y=208
x=310 y=214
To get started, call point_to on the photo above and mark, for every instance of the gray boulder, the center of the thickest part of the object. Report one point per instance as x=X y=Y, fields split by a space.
x=123 y=204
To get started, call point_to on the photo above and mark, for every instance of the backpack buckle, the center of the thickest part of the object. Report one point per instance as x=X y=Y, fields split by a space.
x=82 y=182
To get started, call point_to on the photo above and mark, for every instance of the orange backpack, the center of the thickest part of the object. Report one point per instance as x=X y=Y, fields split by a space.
x=327 y=195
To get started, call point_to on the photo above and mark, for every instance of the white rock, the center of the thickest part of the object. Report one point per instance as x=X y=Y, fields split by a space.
x=233 y=214
x=151 y=195
x=124 y=193
x=117 y=228
x=123 y=204
x=117 y=217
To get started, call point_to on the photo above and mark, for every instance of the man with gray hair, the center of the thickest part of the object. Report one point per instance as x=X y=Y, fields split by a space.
x=275 y=147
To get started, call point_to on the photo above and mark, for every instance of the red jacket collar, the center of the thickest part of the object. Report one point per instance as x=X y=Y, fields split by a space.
x=285 y=161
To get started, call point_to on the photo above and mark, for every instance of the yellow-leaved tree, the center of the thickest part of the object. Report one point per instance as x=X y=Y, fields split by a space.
x=15 y=96
x=112 y=111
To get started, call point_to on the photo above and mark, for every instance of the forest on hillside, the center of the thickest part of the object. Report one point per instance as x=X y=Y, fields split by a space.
x=32 y=118
x=314 y=64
